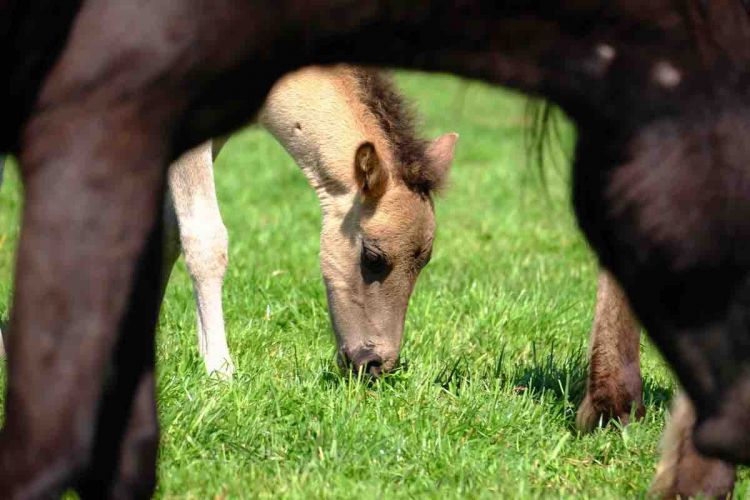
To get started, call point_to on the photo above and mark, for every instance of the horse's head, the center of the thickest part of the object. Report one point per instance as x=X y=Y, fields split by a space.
x=373 y=252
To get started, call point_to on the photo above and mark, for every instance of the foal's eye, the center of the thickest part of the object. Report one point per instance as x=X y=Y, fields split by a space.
x=374 y=261
x=424 y=258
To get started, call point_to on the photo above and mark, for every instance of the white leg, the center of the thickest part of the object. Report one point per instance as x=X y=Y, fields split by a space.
x=204 y=243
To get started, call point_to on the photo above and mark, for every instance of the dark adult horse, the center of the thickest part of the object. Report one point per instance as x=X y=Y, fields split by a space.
x=102 y=94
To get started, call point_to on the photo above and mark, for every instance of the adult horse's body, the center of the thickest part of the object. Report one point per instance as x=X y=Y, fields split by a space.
x=99 y=106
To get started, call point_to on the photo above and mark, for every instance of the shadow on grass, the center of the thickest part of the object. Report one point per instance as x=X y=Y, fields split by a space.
x=564 y=379
x=553 y=376
x=560 y=378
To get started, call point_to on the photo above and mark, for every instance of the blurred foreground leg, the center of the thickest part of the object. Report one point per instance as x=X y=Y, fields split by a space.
x=79 y=400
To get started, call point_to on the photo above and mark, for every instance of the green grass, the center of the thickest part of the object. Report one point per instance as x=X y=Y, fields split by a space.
x=495 y=340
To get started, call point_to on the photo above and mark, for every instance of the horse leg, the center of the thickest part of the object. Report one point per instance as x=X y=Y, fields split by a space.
x=2 y=172
x=204 y=243
x=136 y=475
x=614 y=388
x=82 y=309
x=682 y=471
x=127 y=406
x=171 y=245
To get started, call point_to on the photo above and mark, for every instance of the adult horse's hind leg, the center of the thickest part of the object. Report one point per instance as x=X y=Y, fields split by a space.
x=682 y=471
x=614 y=388
x=85 y=305
x=204 y=243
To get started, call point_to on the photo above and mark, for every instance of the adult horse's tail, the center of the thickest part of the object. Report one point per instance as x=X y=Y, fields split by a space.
x=544 y=136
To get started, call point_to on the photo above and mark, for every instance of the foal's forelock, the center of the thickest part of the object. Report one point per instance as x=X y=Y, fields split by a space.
x=397 y=120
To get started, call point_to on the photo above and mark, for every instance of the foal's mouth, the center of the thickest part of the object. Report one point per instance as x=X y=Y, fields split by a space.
x=367 y=365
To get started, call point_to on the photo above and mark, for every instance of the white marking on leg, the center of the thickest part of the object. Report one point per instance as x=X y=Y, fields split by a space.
x=204 y=244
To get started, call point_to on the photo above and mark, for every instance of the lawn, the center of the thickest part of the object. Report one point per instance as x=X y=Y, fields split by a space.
x=494 y=346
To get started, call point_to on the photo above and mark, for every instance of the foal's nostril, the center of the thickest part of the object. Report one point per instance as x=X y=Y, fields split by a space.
x=368 y=363
x=374 y=368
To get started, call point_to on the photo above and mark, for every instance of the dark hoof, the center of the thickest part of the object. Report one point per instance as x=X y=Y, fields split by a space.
x=599 y=411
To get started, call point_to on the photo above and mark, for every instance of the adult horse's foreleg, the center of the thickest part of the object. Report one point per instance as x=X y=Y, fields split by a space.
x=204 y=241
x=2 y=172
x=127 y=405
x=682 y=471
x=614 y=388
x=80 y=363
x=136 y=471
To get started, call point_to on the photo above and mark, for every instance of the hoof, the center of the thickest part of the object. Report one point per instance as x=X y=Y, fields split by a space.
x=593 y=414
x=221 y=367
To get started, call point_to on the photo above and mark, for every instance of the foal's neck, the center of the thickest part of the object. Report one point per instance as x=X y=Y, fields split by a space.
x=317 y=114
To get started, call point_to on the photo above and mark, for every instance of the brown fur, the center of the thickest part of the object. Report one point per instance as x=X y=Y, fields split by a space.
x=614 y=389
x=397 y=119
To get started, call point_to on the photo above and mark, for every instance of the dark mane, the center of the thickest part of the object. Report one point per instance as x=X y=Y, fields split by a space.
x=397 y=119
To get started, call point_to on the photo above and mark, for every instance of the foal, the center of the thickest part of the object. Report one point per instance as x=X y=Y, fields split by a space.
x=353 y=137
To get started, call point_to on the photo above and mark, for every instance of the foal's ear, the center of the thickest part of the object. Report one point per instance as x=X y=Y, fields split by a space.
x=371 y=176
x=440 y=156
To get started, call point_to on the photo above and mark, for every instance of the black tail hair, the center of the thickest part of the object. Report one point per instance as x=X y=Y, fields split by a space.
x=545 y=141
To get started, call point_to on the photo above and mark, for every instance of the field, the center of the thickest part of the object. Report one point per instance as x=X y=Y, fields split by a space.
x=494 y=346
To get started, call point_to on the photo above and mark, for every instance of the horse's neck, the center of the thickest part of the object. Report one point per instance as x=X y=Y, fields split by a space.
x=317 y=116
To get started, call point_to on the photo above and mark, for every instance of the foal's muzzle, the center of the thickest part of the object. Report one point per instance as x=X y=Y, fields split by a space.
x=363 y=361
